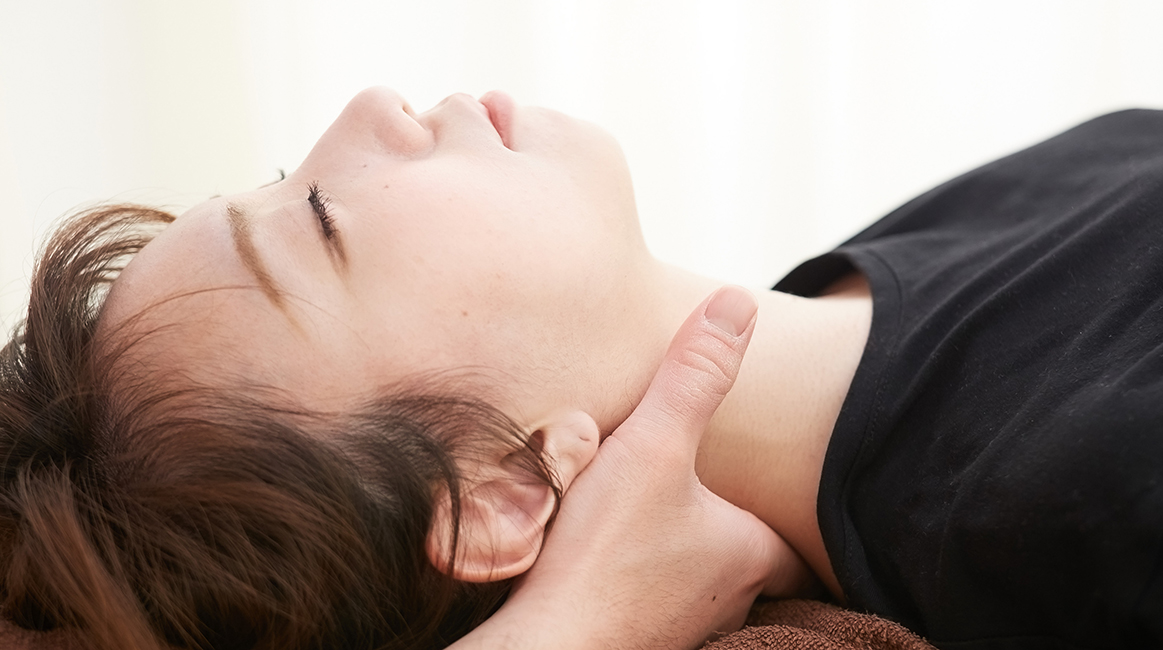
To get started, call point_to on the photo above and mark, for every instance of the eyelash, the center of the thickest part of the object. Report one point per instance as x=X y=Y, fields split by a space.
x=321 y=204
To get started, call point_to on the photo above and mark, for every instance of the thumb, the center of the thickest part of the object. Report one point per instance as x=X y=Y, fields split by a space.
x=699 y=368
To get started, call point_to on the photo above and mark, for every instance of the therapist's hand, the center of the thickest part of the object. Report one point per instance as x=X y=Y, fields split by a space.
x=642 y=555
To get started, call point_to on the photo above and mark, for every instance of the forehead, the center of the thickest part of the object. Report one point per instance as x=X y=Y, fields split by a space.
x=196 y=312
x=193 y=254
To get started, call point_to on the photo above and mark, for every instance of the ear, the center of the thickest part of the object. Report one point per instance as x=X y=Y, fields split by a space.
x=504 y=510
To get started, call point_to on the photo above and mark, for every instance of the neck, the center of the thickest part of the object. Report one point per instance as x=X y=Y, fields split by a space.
x=764 y=450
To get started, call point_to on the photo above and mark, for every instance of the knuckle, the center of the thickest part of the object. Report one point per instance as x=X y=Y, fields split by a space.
x=693 y=380
x=750 y=556
x=708 y=364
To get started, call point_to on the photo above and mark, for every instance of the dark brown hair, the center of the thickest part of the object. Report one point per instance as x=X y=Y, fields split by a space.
x=208 y=517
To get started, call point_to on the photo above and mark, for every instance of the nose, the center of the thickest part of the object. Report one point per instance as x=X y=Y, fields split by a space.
x=381 y=114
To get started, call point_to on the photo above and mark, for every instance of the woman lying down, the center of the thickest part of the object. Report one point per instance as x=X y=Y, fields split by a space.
x=339 y=411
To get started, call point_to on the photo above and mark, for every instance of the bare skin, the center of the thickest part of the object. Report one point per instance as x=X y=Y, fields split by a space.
x=500 y=242
x=764 y=450
x=611 y=574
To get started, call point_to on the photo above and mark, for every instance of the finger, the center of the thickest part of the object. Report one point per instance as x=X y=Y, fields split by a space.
x=760 y=561
x=699 y=368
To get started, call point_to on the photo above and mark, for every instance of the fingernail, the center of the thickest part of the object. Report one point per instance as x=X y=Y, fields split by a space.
x=731 y=310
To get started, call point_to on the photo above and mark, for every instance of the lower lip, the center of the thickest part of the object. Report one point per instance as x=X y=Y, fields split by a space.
x=501 y=109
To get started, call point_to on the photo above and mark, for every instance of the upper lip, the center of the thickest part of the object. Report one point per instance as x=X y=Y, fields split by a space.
x=499 y=122
x=492 y=119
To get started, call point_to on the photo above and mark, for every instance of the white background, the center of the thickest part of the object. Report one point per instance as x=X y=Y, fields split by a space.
x=759 y=132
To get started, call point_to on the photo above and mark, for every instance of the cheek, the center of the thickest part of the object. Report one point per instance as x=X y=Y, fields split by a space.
x=485 y=302
x=458 y=264
x=468 y=232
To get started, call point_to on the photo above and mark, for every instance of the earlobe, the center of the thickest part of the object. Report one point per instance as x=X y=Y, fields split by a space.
x=504 y=515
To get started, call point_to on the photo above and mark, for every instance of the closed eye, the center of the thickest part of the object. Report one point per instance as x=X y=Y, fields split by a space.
x=321 y=205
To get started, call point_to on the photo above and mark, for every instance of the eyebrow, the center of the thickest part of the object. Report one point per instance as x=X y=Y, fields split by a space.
x=240 y=232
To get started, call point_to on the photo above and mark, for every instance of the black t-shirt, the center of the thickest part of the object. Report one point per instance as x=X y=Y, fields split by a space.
x=995 y=478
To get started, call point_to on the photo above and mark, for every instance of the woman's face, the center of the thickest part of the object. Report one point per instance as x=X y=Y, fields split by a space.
x=477 y=235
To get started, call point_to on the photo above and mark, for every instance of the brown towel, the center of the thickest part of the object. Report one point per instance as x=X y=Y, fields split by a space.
x=773 y=625
x=812 y=625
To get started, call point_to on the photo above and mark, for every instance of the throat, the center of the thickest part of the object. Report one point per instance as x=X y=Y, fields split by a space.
x=764 y=450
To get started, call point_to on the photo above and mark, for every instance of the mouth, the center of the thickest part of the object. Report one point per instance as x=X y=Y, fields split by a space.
x=501 y=109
